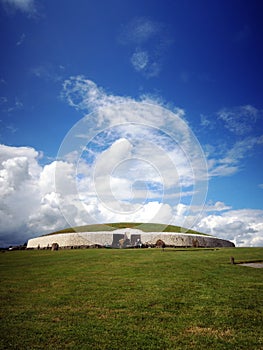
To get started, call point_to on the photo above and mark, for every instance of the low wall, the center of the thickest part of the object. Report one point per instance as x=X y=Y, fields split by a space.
x=126 y=238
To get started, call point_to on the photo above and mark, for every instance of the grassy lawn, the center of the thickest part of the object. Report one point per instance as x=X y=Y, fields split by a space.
x=131 y=299
x=145 y=227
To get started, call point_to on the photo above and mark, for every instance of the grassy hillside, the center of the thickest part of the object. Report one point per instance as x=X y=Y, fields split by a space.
x=131 y=299
x=146 y=227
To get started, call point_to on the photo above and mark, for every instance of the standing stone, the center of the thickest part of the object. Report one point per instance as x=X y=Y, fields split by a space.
x=54 y=246
x=160 y=244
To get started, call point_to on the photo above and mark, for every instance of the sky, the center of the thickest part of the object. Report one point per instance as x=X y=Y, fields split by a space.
x=145 y=111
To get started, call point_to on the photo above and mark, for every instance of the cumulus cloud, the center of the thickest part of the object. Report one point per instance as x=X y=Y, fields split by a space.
x=29 y=198
x=18 y=172
x=119 y=162
x=32 y=202
x=217 y=207
x=125 y=160
x=244 y=227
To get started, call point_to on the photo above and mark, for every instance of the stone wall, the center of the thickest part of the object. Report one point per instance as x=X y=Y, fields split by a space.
x=126 y=238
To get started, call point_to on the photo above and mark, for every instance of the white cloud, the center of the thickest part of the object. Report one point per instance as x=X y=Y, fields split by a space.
x=29 y=199
x=31 y=202
x=47 y=71
x=124 y=161
x=244 y=227
x=21 y=40
x=7 y=152
x=141 y=152
x=217 y=169
x=14 y=173
x=206 y=122
x=149 y=42
x=139 y=30
x=226 y=158
x=216 y=207
x=18 y=171
x=26 y=6
x=84 y=94
x=231 y=159
x=140 y=60
x=239 y=120
x=134 y=160
x=143 y=61
x=240 y=148
x=16 y=106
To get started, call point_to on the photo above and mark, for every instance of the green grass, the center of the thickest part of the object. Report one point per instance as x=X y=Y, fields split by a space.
x=131 y=299
x=146 y=227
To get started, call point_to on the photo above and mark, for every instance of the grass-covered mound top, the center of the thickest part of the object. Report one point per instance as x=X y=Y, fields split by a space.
x=145 y=227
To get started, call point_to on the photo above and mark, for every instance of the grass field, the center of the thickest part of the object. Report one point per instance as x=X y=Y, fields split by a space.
x=145 y=227
x=131 y=299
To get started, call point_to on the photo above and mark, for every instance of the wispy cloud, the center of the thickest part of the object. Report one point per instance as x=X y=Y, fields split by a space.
x=21 y=40
x=139 y=30
x=149 y=42
x=11 y=128
x=26 y=6
x=225 y=158
x=242 y=148
x=239 y=120
x=206 y=122
x=230 y=161
x=140 y=60
x=3 y=100
x=16 y=106
x=155 y=139
x=48 y=71
x=83 y=94
x=126 y=160
x=6 y=128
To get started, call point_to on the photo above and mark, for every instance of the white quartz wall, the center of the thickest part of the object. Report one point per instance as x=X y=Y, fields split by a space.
x=106 y=238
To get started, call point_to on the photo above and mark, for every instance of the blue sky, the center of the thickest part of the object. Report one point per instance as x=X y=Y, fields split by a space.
x=193 y=68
